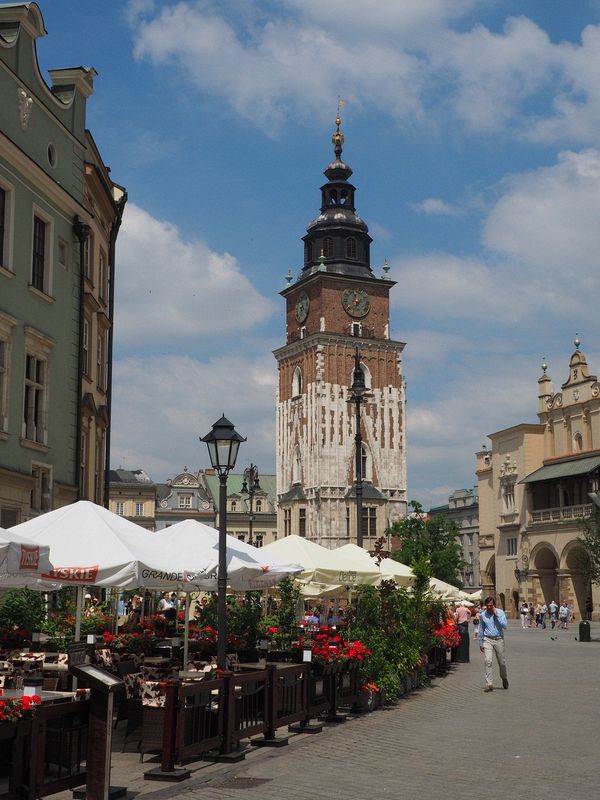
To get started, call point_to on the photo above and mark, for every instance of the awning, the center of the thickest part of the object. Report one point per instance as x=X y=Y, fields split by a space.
x=565 y=469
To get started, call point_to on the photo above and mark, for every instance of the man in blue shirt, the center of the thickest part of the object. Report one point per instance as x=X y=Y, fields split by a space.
x=492 y=624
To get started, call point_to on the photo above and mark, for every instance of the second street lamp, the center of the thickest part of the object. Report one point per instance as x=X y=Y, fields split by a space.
x=250 y=486
x=223 y=443
x=358 y=394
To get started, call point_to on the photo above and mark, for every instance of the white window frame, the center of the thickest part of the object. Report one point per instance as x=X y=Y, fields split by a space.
x=86 y=347
x=7 y=323
x=184 y=501
x=88 y=258
x=102 y=276
x=41 y=501
x=39 y=346
x=7 y=259
x=120 y=508
x=48 y=251
x=139 y=508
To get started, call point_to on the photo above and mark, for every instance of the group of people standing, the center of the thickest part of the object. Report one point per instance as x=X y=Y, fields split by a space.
x=538 y=615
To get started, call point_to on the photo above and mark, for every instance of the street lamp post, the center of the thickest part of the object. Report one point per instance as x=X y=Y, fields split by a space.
x=250 y=485
x=223 y=443
x=358 y=393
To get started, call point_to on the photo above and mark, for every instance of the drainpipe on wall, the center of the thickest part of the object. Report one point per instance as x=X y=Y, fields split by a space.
x=82 y=231
x=114 y=231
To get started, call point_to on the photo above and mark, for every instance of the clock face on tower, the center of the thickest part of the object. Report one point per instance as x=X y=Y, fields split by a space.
x=356 y=302
x=302 y=306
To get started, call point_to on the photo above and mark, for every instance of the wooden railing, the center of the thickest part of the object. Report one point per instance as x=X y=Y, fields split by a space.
x=52 y=758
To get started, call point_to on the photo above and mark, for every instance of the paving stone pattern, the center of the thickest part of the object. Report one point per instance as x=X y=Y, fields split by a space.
x=539 y=739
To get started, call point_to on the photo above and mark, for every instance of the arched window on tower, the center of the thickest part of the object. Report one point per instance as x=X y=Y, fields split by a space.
x=351 y=247
x=328 y=247
x=308 y=252
x=297 y=382
x=332 y=198
x=366 y=372
x=296 y=466
x=344 y=197
x=577 y=442
x=366 y=463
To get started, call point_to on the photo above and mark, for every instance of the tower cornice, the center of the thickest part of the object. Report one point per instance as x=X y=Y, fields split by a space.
x=324 y=339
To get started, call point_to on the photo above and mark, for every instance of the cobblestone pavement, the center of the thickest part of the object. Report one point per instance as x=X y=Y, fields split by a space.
x=537 y=740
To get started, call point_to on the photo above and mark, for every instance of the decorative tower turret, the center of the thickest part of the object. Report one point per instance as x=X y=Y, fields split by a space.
x=335 y=304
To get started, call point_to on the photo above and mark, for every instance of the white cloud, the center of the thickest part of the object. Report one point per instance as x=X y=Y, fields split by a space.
x=436 y=206
x=453 y=288
x=162 y=404
x=403 y=59
x=547 y=220
x=170 y=290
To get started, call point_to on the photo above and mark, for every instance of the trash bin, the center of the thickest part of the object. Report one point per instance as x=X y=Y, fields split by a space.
x=462 y=651
x=584 y=631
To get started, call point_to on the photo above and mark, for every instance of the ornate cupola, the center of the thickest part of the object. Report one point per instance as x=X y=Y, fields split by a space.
x=338 y=240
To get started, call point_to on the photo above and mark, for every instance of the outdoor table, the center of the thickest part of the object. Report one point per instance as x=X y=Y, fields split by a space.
x=192 y=675
x=55 y=667
x=46 y=697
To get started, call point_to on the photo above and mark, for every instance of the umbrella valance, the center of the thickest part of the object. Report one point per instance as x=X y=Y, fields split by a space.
x=22 y=557
x=248 y=567
x=91 y=546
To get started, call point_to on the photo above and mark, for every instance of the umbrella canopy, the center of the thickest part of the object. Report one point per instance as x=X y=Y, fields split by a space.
x=91 y=546
x=444 y=590
x=22 y=557
x=389 y=569
x=248 y=567
x=320 y=564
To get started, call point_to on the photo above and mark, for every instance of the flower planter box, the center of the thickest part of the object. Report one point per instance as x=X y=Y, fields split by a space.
x=367 y=702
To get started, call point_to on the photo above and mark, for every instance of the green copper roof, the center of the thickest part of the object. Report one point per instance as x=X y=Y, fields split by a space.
x=565 y=469
x=268 y=484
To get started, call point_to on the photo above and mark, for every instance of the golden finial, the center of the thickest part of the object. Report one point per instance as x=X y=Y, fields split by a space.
x=338 y=137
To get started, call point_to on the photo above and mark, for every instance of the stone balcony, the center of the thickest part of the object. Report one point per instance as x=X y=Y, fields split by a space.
x=561 y=514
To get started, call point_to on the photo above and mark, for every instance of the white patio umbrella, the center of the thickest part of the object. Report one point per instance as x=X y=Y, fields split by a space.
x=396 y=571
x=444 y=590
x=388 y=569
x=248 y=567
x=318 y=563
x=22 y=558
x=91 y=546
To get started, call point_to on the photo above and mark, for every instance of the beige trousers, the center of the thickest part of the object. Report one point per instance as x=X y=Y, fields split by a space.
x=491 y=646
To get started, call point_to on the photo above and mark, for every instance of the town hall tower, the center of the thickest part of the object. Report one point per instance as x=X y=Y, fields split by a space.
x=335 y=304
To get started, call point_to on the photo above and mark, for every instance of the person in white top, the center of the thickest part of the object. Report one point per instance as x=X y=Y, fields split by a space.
x=524 y=614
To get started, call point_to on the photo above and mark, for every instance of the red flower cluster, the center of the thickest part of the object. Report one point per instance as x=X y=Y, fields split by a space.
x=12 y=710
x=328 y=646
x=447 y=634
x=370 y=688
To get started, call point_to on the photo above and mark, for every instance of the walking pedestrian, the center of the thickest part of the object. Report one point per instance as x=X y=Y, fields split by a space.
x=462 y=615
x=524 y=614
x=492 y=624
x=571 y=608
x=552 y=608
x=531 y=615
x=543 y=612
x=563 y=616
x=538 y=614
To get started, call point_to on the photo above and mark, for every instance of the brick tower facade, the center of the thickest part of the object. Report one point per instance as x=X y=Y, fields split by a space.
x=336 y=304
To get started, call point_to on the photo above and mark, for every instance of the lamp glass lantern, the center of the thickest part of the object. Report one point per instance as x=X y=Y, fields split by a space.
x=223 y=443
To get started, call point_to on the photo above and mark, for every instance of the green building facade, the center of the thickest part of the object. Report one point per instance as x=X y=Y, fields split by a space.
x=42 y=159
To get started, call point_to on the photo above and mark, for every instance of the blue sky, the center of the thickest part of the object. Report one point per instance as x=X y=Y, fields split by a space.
x=473 y=129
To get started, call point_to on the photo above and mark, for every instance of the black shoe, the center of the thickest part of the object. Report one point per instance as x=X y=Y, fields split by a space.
x=505 y=683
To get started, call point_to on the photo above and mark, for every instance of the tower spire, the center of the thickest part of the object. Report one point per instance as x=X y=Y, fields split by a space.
x=338 y=137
